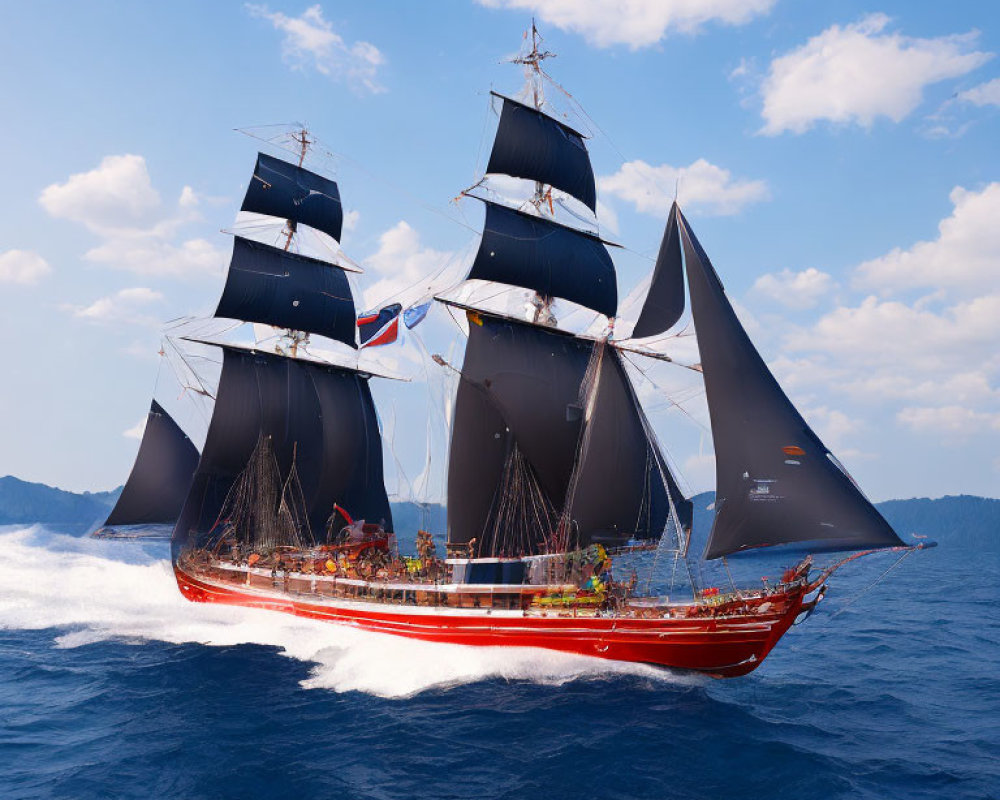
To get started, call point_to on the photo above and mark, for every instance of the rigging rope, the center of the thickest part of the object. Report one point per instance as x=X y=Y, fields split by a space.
x=851 y=600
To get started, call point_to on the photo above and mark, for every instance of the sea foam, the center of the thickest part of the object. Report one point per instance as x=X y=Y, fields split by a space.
x=92 y=590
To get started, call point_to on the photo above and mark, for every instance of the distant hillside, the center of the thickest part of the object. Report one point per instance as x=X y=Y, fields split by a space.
x=24 y=502
x=971 y=519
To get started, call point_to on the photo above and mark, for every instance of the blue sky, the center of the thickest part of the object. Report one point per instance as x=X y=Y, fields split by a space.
x=839 y=162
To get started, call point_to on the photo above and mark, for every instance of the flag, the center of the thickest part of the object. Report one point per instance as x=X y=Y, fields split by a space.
x=414 y=315
x=379 y=327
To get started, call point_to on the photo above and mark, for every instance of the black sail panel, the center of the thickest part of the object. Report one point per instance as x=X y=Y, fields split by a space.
x=479 y=446
x=535 y=253
x=533 y=145
x=352 y=471
x=520 y=385
x=622 y=484
x=270 y=285
x=314 y=416
x=155 y=490
x=232 y=435
x=283 y=190
x=777 y=483
x=665 y=299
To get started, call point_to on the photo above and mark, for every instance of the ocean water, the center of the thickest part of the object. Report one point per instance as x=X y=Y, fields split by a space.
x=112 y=686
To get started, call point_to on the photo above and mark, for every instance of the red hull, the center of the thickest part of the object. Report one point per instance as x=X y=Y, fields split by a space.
x=724 y=646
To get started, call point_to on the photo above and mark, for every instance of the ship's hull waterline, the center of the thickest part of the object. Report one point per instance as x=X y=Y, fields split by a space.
x=725 y=645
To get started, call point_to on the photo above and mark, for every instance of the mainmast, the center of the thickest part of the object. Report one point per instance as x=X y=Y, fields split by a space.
x=534 y=85
x=550 y=450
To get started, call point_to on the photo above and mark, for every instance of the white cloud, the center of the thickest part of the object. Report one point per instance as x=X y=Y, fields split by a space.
x=405 y=267
x=892 y=334
x=117 y=202
x=701 y=185
x=147 y=253
x=635 y=23
x=310 y=39
x=833 y=426
x=931 y=364
x=985 y=94
x=124 y=306
x=188 y=198
x=22 y=266
x=351 y=220
x=971 y=389
x=966 y=254
x=795 y=289
x=114 y=194
x=943 y=364
x=857 y=73
x=950 y=419
x=137 y=430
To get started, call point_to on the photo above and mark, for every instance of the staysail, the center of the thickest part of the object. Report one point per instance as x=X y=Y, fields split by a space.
x=155 y=490
x=623 y=488
x=555 y=260
x=277 y=287
x=284 y=190
x=776 y=482
x=318 y=418
x=664 y=302
x=530 y=144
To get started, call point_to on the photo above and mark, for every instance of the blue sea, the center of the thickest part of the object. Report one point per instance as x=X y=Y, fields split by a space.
x=111 y=686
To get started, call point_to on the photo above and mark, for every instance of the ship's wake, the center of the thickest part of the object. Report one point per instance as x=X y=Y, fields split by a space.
x=91 y=591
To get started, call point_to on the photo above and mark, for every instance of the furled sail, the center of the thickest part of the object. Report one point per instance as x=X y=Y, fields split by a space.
x=776 y=482
x=270 y=285
x=516 y=441
x=319 y=418
x=665 y=299
x=155 y=490
x=623 y=488
x=556 y=261
x=533 y=145
x=283 y=190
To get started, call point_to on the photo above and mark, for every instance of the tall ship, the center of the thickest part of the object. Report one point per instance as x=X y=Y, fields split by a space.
x=566 y=527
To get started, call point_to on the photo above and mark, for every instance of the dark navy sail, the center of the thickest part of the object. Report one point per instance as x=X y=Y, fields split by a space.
x=520 y=387
x=270 y=285
x=352 y=471
x=319 y=417
x=155 y=490
x=776 y=482
x=621 y=489
x=283 y=190
x=665 y=299
x=556 y=261
x=519 y=419
x=532 y=145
